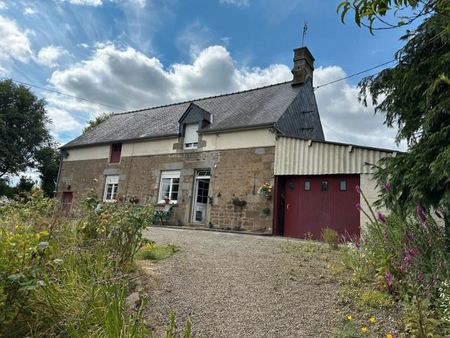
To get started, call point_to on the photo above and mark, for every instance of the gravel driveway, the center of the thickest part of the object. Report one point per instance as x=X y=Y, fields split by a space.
x=235 y=285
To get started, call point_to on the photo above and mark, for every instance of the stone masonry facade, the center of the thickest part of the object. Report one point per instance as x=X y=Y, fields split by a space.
x=235 y=174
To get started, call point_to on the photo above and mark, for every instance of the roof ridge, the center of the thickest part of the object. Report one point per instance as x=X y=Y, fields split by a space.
x=202 y=98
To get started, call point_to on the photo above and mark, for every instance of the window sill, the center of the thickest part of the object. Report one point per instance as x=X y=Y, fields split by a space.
x=162 y=203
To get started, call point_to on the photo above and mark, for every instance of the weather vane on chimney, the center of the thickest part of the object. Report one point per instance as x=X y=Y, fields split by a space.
x=305 y=28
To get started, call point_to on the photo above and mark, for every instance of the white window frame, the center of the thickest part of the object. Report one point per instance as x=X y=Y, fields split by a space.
x=190 y=136
x=168 y=175
x=112 y=180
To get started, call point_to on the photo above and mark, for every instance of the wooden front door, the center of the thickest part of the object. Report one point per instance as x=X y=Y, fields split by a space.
x=67 y=198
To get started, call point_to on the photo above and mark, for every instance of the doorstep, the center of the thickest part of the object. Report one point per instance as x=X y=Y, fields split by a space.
x=190 y=227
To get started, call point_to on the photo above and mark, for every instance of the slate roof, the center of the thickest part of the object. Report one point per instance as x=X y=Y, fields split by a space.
x=246 y=109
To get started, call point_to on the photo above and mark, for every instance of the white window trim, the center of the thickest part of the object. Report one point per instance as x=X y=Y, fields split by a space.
x=190 y=136
x=114 y=180
x=168 y=174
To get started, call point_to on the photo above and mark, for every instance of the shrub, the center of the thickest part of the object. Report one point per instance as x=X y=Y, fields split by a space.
x=117 y=225
x=156 y=252
x=405 y=253
x=374 y=299
x=68 y=278
x=330 y=237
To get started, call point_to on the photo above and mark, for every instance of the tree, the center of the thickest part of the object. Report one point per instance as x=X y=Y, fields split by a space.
x=415 y=96
x=371 y=12
x=22 y=127
x=95 y=122
x=47 y=162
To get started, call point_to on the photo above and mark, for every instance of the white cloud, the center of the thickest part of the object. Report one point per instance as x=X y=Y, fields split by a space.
x=128 y=78
x=239 y=3
x=344 y=118
x=48 y=56
x=94 y=3
x=14 y=44
x=61 y=120
x=3 y=5
x=194 y=38
x=29 y=11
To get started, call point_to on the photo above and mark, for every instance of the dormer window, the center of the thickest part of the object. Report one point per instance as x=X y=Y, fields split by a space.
x=116 y=150
x=191 y=136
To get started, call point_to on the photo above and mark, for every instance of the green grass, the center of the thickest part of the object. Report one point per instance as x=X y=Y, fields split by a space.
x=156 y=252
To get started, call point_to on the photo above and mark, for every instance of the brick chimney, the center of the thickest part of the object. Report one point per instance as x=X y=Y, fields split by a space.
x=303 y=66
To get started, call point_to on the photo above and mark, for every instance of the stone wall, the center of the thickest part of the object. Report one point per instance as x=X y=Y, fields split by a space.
x=235 y=173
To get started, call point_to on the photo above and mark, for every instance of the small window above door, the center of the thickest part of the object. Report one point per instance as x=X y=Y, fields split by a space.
x=307 y=186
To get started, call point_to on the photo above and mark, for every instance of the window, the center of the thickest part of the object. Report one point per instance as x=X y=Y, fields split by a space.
x=324 y=185
x=307 y=185
x=343 y=185
x=116 y=149
x=111 y=186
x=169 y=186
x=191 y=136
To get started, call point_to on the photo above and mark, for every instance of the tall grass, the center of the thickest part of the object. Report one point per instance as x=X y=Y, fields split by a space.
x=69 y=278
x=404 y=254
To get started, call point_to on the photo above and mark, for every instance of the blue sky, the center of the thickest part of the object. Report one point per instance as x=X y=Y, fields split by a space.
x=132 y=54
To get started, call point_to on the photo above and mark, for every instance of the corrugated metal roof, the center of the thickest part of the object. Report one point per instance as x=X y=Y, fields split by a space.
x=294 y=156
x=244 y=109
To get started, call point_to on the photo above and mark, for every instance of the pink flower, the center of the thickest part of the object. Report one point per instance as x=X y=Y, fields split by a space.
x=358 y=189
x=381 y=217
x=358 y=206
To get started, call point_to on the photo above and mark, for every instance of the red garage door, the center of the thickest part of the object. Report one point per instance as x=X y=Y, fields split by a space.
x=316 y=202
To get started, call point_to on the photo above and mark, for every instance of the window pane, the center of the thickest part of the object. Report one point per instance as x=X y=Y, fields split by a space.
x=307 y=185
x=114 y=191
x=175 y=186
x=324 y=186
x=108 y=192
x=343 y=185
x=169 y=186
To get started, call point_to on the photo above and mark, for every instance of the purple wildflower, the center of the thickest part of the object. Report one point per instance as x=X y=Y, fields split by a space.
x=421 y=278
x=358 y=189
x=388 y=278
x=358 y=206
x=387 y=187
x=422 y=217
x=381 y=217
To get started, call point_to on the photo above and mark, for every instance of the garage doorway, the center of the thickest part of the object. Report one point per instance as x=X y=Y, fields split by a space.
x=316 y=202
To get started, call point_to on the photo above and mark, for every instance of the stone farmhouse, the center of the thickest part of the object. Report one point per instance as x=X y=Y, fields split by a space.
x=254 y=160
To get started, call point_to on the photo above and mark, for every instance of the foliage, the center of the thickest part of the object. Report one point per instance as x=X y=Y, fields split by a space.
x=58 y=279
x=22 y=127
x=415 y=96
x=172 y=329
x=369 y=12
x=331 y=237
x=266 y=190
x=47 y=162
x=404 y=254
x=156 y=252
x=117 y=225
x=374 y=298
x=95 y=122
